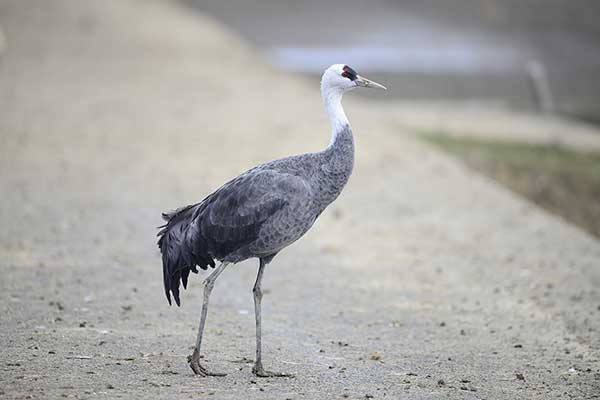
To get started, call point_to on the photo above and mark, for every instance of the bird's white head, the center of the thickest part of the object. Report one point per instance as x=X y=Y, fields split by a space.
x=340 y=78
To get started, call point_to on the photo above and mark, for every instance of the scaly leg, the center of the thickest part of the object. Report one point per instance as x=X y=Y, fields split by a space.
x=194 y=359
x=258 y=369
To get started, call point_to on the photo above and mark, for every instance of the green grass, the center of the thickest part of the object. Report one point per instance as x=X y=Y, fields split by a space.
x=562 y=181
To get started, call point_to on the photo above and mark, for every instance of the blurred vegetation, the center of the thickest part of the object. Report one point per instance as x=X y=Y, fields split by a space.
x=562 y=181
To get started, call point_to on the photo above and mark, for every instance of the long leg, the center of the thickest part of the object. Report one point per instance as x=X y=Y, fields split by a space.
x=194 y=359
x=258 y=369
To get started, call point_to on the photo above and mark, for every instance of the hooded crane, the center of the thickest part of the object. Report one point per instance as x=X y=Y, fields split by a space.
x=260 y=212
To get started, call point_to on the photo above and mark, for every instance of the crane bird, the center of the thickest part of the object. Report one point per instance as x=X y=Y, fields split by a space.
x=260 y=212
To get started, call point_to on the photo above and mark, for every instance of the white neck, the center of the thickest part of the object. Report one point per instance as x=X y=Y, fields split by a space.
x=332 y=98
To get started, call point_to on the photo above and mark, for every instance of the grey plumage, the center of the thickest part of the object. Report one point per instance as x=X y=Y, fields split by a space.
x=256 y=214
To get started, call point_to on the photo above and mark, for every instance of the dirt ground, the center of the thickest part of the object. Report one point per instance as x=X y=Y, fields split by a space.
x=423 y=281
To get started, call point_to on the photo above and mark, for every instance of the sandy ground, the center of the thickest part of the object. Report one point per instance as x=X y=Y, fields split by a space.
x=423 y=281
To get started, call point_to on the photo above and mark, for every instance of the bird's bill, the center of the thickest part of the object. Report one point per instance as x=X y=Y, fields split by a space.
x=364 y=82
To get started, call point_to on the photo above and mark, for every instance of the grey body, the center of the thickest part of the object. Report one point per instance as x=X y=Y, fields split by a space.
x=256 y=214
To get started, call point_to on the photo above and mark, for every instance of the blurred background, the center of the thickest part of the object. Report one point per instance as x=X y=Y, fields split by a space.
x=537 y=54
x=427 y=278
x=528 y=57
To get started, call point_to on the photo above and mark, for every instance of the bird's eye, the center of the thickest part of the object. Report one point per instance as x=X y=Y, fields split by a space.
x=349 y=73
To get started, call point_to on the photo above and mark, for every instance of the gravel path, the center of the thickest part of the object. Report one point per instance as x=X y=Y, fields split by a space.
x=423 y=281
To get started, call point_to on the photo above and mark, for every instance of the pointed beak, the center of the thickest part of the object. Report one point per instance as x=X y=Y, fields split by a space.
x=364 y=82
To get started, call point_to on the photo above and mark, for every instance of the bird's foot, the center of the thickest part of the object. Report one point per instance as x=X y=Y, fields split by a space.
x=259 y=371
x=194 y=361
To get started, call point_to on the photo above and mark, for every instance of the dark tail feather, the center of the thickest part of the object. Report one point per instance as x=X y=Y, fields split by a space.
x=182 y=250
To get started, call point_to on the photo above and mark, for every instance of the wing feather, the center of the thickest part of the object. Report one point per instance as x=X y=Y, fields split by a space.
x=234 y=214
x=224 y=223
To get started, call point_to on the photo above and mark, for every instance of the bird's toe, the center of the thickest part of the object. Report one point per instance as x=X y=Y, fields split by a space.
x=194 y=361
x=260 y=372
